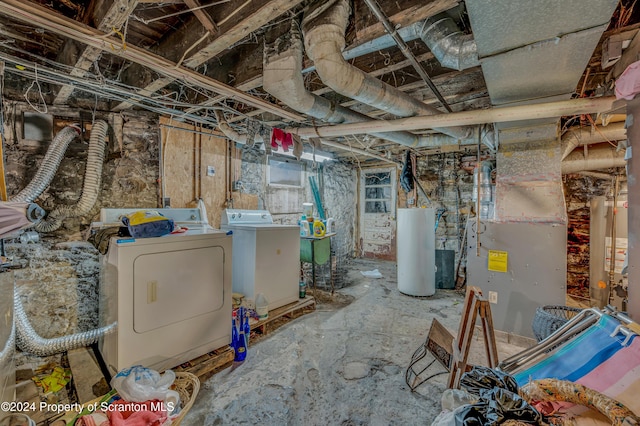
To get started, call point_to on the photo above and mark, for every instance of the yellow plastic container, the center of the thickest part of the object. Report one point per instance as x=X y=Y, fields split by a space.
x=318 y=228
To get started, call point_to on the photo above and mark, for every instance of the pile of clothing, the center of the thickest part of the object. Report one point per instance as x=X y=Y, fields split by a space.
x=140 y=397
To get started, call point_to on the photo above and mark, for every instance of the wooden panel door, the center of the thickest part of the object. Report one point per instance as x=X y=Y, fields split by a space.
x=378 y=213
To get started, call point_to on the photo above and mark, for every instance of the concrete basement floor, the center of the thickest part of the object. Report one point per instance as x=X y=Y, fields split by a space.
x=343 y=364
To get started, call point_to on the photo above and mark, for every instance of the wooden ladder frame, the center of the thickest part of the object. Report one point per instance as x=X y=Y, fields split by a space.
x=475 y=304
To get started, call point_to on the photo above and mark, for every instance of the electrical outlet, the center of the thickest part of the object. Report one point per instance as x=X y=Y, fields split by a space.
x=493 y=297
x=237 y=185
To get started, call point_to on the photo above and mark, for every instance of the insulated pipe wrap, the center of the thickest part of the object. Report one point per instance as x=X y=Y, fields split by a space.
x=49 y=166
x=31 y=342
x=597 y=158
x=588 y=135
x=91 y=186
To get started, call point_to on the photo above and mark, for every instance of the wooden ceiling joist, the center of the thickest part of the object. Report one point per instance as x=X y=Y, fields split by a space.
x=230 y=34
x=42 y=17
x=202 y=16
x=115 y=17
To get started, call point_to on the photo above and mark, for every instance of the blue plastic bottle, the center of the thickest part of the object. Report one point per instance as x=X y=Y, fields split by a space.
x=234 y=334
x=247 y=327
x=241 y=348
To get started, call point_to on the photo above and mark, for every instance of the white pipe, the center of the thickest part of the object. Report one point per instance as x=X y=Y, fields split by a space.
x=602 y=157
x=464 y=118
x=358 y=151
x=230 y=131
x=324 y=41
x=589 y=135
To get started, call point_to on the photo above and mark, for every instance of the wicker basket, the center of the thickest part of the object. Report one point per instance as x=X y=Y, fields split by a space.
x=187 y=385
x=550 y=318
x=575 y=393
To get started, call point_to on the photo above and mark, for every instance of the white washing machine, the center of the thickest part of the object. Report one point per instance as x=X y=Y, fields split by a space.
x=266 y=256
x=170 y=295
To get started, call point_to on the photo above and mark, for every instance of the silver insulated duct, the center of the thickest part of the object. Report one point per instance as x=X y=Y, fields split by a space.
x=282 y=78
x=92 y=181
x=324 y=40
x=49 y=166
x=30 y=341
x=451 y=47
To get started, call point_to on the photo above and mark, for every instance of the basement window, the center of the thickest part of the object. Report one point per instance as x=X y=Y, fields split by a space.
x=284 y=172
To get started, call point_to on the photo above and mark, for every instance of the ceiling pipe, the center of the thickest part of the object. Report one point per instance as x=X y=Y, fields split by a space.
x=594 y=158
x=324 y=39
x=465 y=118
x=384 y=20
x=230 y=133
x=358 y=151
x=282 y=78
x=589 y=135
x=451 y=47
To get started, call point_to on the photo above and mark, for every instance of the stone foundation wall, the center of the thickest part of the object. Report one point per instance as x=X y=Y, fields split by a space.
x=58 y=275
x=449 y=186
x=337 y=185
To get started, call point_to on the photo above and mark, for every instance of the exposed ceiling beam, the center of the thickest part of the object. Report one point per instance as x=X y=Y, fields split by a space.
x=466 y=118
x=403 y=19
x=231 y=33
x=116 y=15
x=44 y=18
x=202 y=16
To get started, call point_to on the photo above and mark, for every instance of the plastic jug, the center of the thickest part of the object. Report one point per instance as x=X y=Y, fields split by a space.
x=304 y=227
x=262 y=306
x=318 y=228
x=331 y=225
x=307 y=209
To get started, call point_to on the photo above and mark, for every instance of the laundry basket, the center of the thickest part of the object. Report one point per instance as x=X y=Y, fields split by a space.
x=550 y=318
x=187 y=385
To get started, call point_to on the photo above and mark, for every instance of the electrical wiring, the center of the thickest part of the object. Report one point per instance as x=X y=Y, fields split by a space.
x=107 y=89
x=189 y=10
x=63 y=73
x=117 y=95
x=37 y=84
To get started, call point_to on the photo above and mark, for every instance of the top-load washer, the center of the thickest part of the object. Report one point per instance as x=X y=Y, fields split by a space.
x=266 y=256
x=170 y=295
